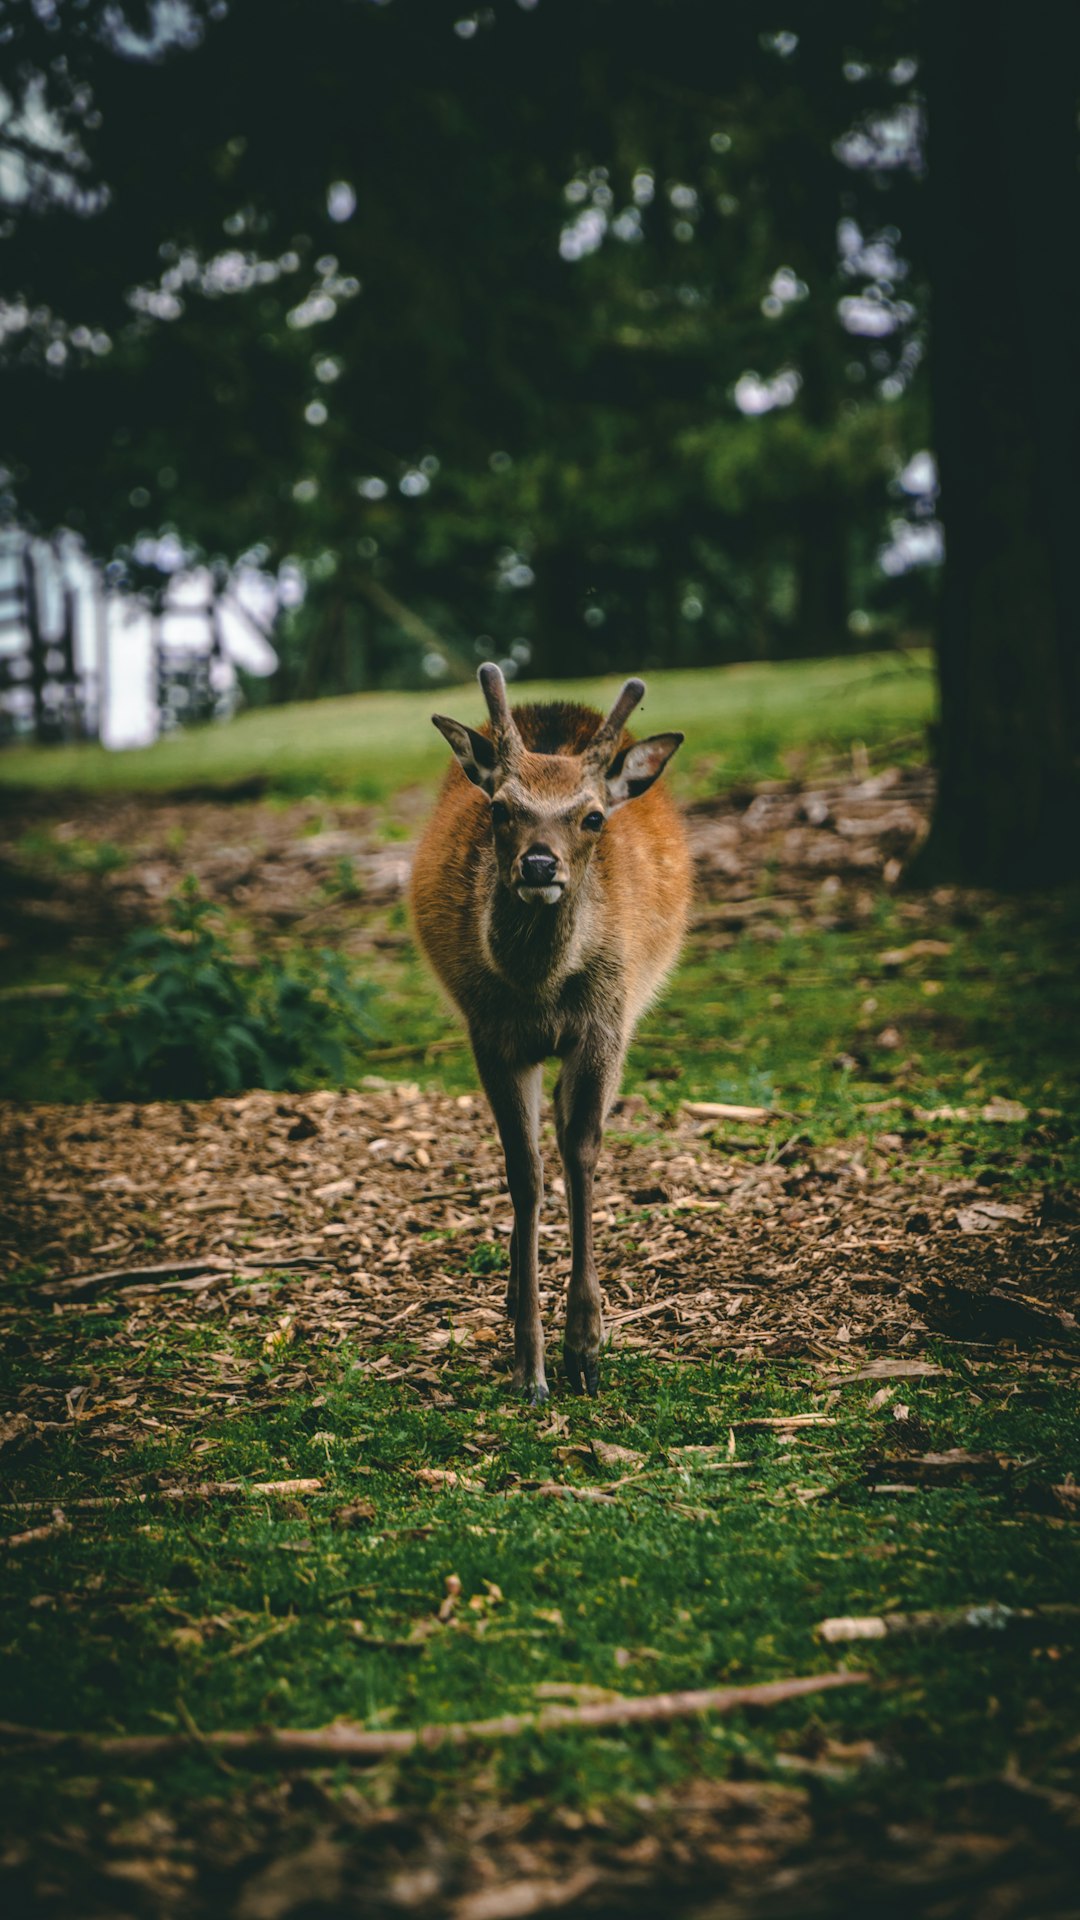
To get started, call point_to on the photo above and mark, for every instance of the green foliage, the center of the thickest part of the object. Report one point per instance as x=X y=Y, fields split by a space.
x=178 y=1015
x=561 y=260
x=488 y=1257
x=70 y=854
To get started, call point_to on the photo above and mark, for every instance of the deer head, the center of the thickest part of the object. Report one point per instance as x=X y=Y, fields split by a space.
x=548 y=810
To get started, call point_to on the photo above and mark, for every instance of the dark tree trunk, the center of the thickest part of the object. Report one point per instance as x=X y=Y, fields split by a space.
x=822 y=614
x=1002 y=100
x=559 y=634
x=323 y=668
x=37 y=643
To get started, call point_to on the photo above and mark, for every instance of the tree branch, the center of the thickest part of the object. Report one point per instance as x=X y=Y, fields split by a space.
x=295 y=1746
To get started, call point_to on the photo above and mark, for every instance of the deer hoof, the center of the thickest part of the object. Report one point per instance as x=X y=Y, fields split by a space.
x=582 y=1371
x=533 y=1388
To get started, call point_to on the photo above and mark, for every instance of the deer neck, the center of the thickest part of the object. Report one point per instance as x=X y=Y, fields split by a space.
x=534 y=946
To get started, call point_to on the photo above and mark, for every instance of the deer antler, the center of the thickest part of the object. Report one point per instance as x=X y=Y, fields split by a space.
x=608 y=734
x=504 y=733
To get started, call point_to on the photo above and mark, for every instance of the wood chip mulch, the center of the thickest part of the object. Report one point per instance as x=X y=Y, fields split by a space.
x=818 y=1254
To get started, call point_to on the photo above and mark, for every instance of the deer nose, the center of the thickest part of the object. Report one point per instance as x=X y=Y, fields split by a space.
x=538 y=867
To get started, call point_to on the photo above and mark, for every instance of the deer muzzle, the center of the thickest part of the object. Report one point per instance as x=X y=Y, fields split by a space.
x=539 y=878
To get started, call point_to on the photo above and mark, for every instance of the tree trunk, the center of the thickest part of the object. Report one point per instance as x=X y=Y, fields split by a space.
x=37 y=642
x=559 y=633
x=822 y=612
x=1002 y=97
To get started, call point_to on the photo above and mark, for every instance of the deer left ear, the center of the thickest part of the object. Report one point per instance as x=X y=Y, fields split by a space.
x=474 y=751
x=633 y=771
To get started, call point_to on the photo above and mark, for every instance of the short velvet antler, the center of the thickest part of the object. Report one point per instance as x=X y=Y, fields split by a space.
x=608 y=734
x=504 y=733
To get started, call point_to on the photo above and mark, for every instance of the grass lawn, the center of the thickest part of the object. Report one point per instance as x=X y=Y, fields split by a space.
x=744 y=722
x=294 y=1612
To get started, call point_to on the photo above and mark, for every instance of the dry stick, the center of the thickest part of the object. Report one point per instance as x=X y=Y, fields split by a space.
x=205 y=1490
x=990 y=1618
x=724 y=1110
x=302 y=1746
x=639 y=1313
x=81 y=1285
x=56 y=1526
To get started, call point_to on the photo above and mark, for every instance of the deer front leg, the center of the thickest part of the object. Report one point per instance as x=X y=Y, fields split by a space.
x=514 y=1094
x=583 y=1095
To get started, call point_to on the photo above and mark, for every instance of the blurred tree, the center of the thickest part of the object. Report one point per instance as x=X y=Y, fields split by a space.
x=576 y=331
x=465 y=328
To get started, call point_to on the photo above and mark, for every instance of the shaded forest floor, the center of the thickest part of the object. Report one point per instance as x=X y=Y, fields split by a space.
x=842 y=1382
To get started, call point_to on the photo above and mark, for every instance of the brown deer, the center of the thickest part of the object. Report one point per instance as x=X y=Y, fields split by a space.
x=550 y=894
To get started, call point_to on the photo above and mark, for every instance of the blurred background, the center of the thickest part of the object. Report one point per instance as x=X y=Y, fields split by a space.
x=569 y=333
x=344 y=345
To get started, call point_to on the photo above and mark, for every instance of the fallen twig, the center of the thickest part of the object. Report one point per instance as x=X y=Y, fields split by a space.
x=991 y=1618
x=205 y=1490
x=50 y=1531
x=885 y=1369
x=304 y=1746
x=723 y=1110
x=562 y=1490
x=638 y=1313
x=82 y=1286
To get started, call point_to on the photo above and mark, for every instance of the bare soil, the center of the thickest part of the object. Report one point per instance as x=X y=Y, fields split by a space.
x=826 y=851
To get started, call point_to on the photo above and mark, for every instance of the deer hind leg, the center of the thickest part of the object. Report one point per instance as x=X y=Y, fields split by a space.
x=512 y=1282
x=585 y=1090
x=515 y=1101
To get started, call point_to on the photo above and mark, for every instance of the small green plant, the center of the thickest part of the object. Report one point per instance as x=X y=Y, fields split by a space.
x=344 y=882
x=488 y=1257
x=49 y=851
x=178 y=1015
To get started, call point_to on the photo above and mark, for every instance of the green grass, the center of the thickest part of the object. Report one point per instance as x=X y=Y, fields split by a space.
x=744 y=722
x=294 y=1612
x=794 y=1022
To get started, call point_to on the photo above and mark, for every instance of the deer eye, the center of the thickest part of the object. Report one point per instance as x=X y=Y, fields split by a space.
x=593 y=822
x=500 y=813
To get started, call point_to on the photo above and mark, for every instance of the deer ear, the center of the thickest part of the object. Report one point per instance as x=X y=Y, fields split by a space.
x=475 y=754
x=633 y=771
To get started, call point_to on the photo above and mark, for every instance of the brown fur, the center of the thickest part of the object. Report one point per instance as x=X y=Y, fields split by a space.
x=534 y=980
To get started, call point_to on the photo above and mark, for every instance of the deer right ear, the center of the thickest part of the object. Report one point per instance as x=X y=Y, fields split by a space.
x=473 y=751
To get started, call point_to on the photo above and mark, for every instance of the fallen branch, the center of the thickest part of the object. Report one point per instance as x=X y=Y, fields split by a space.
x=50 y=1531
x=885 y=1369
x=416 y=1049
x=205 y=1490
x=991 y=1618
x=723 y=1110
x=315 y=1746
x=638 y=1313
x=82 y=1286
